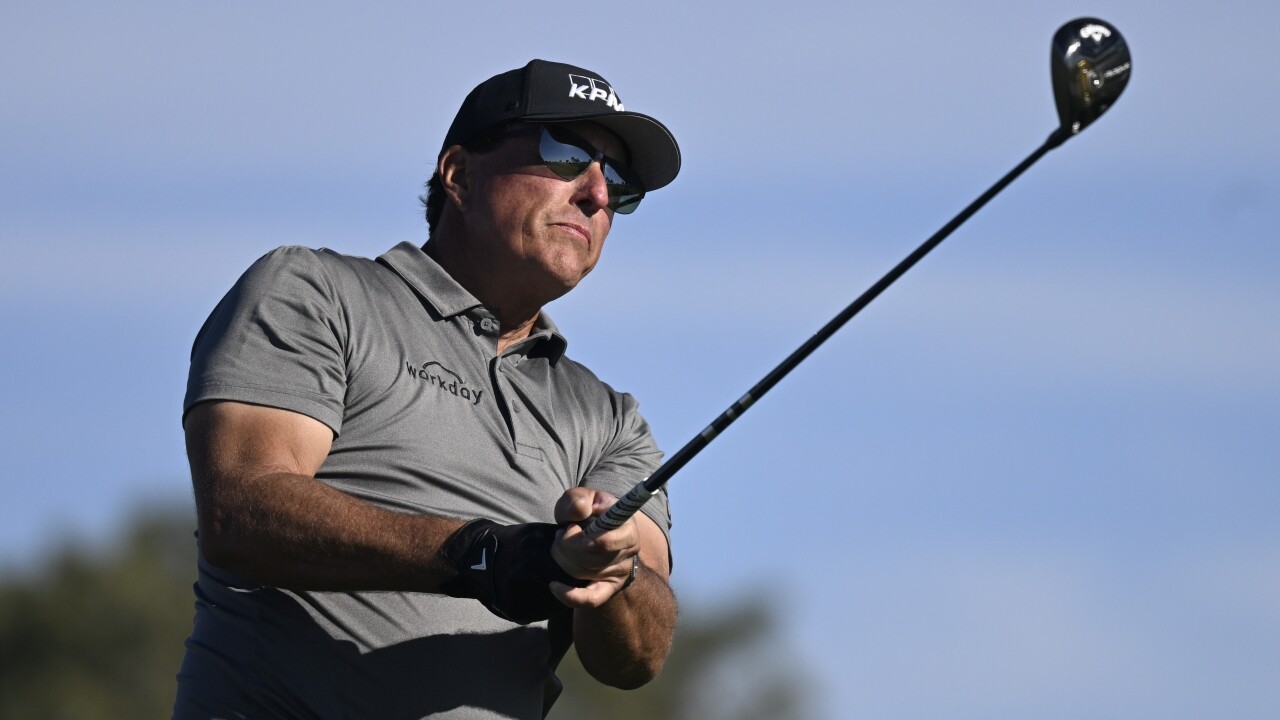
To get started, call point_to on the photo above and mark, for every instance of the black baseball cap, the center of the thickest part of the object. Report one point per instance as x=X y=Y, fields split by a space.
x=548 y=92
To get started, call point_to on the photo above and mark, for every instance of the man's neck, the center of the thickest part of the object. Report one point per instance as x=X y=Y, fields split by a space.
x=517 y=317
x=510 y=335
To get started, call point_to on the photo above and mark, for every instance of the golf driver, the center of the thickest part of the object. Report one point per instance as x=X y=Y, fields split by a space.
x=1089 y=64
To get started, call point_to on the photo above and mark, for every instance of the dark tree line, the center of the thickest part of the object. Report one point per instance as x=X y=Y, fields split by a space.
x=91 y=635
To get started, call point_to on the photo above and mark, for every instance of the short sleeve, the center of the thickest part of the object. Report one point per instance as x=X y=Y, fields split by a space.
x=275 y=339
x=630 y=457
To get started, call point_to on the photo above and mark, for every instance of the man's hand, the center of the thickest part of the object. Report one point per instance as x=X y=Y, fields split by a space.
x=508 y=568
x=603 y=562
x=534 y=571
x=622 y=635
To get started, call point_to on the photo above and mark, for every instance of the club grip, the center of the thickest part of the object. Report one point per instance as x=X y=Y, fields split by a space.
x=621 y=511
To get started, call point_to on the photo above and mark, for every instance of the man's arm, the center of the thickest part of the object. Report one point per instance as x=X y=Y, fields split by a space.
x=263 y=515
x=623 y=636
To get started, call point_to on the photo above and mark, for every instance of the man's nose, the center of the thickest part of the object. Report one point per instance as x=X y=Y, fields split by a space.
x=593 y=189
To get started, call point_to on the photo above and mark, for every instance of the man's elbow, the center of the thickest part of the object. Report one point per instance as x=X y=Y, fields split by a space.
x=215 y=550
x=628 y=676
x=218 y=544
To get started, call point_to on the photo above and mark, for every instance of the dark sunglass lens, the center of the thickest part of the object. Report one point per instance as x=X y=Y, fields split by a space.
x=566 y=159
x=625 y=204
x=624 y=192
x=569 y=155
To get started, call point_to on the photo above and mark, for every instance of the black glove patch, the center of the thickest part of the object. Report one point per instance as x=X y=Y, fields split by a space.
x=507 y=568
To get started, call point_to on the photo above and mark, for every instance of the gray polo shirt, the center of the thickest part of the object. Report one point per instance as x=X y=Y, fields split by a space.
x=401 y=362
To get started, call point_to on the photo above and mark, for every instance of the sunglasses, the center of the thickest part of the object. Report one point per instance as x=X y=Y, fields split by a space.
x=568 y=155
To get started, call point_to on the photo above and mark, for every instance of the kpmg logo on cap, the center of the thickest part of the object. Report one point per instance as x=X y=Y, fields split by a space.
x=589 y=88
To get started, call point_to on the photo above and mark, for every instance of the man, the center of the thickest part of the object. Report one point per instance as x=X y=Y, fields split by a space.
x=392 y=458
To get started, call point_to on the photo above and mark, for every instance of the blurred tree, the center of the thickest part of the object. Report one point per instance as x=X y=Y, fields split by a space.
x=99 y=636
x=91 y=636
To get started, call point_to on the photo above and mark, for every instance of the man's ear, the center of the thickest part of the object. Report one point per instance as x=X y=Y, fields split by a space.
x=453 y=175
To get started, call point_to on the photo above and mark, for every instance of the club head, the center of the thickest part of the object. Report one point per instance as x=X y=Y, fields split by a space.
x=1090 y=65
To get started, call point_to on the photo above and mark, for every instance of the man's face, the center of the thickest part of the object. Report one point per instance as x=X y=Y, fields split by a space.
x=533 y=227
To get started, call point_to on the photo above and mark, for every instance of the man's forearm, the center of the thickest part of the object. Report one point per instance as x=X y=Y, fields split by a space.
x=625 y=641
x=293 y=531
x=262 y=514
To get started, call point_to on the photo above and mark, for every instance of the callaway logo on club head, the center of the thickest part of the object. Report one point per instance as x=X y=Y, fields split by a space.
x=591 y=89
x=444 y=380
x=1095 y=32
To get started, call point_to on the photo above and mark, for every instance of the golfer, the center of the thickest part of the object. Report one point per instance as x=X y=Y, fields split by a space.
x=392 y=457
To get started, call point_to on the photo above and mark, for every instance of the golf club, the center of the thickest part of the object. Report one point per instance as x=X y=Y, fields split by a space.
x=1089 y=64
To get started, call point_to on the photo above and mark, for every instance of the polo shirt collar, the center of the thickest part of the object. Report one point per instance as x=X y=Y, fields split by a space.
x=450 y=299
x=425 y=275
x=549 y=336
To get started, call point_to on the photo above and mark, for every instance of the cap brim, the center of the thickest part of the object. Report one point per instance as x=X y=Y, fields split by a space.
x=655 y=156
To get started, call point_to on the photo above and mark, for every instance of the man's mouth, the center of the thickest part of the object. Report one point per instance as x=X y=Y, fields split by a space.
x=579 y=230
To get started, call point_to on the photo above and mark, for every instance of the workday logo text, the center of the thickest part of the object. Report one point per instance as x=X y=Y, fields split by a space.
x=445 y=380
x=589 y=88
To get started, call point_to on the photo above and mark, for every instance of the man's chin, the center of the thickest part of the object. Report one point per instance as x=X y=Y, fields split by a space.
x=562 y=280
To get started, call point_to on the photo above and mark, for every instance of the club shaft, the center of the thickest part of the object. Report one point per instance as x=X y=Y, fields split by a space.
x=638 y=495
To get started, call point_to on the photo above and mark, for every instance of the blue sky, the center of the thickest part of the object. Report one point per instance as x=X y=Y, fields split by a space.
x=1036 y=478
